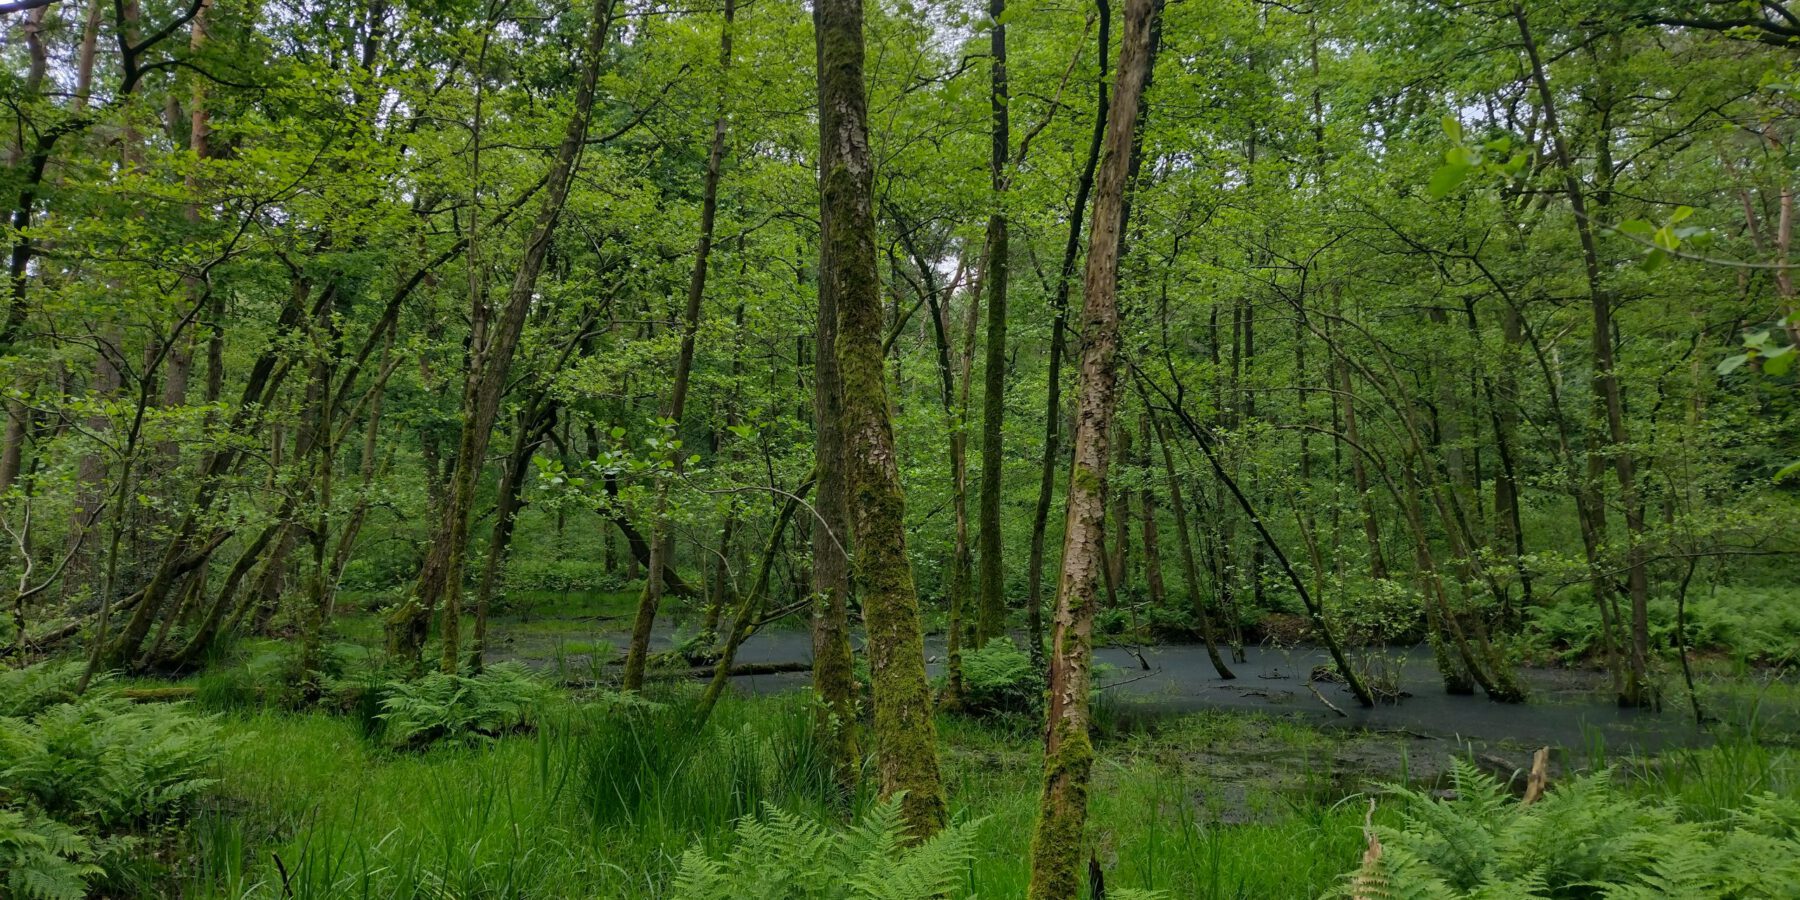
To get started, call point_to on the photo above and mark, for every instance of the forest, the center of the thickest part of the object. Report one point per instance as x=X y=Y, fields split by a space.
x=823 y=449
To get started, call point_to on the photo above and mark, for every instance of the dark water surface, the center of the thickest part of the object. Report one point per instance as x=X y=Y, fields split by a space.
x=1568 y=708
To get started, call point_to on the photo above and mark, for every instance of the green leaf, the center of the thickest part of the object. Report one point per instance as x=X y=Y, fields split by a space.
x=1780 y=362
x=1453 y=128
x=1731 y=364
x=1445 y=180
x=1637 y=228
x=1680 y=213
x=1788 y=471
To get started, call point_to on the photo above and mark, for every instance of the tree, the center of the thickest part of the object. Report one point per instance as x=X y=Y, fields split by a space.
x=1058 y=839
x=905 y=740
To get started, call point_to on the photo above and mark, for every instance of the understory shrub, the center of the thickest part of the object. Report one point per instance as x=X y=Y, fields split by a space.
x=83 y=780
x=558 y=575
x=1585 y=838
x=25 y=691
x=781 y=856
x=503 y=698
x=1757 y=626
x=43 y=859
x=999 y=678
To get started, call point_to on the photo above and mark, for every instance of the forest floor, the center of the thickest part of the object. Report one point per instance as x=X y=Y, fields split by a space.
x=1199 y=798
x=1200 y=805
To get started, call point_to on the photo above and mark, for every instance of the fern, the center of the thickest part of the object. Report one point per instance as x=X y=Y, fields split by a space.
x=1584 y=839
x=503 y=698
x=24 y=692
x=43 y=859
x=108 y=763
x=781 y=856
x=999 y=678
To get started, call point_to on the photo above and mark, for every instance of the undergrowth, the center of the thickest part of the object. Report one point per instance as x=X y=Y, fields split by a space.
x=1586 y=838
x=92 y=785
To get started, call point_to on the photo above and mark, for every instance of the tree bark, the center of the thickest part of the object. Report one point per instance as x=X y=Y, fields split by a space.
x=1058 y=841
x=834 y=678
x=905 y=736
x=991 y=579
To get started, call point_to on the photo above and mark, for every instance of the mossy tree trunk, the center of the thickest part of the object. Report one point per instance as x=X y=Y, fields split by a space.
x=1056 y=847
x=834 y=680
x=990 y=619
x=905 y=737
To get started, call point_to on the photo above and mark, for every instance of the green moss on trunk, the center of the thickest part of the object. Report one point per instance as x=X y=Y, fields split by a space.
x=905 y=736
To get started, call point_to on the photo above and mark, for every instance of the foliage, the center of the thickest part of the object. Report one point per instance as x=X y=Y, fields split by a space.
x=82 y=779
x=24 y=692
x=781 y=856
x=502 y=698
x=1000 y=678
x=1756 y=625
x=105 y=762
x=1585 y=838
x=43 y=859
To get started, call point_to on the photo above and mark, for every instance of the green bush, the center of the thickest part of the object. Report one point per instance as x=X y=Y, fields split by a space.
x=106 y=762
x=782 y=856
x=504 y=698
x=558 y=575
x=1756 y=625
x=23 y=692
x=999 y=678
x=43 y=859
x=1586 y=838
x=84 y=779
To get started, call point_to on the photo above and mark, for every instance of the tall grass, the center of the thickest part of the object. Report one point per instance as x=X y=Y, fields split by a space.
x=603 y=799
x=600 y=801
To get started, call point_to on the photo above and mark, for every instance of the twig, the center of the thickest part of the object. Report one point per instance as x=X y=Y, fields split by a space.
x=1330 y=705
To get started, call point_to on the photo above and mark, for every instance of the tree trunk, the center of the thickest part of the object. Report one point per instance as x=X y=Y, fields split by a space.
x=533 y=426
x=905 y=736
x=744 y=622
x=1189 y=570
x=1359 y=472
x=991 y=580
x=639 y=651
x=834 y=678
x=1053 y=413
x=1153 y=576
x=441 y=577
x=1607 y=395
x=1118 y=546
x=1058 y=841
x=954 y=420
